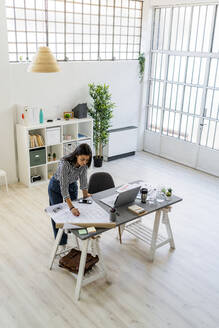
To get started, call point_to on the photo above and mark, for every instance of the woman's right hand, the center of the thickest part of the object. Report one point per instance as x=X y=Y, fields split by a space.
x=75 y=211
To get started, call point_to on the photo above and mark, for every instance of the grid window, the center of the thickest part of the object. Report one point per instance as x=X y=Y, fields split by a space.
x=74 y=30
x=183 y=98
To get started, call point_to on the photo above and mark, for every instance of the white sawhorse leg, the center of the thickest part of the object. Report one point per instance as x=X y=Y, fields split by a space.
x=101 y=273
x=154 y=235
x=84 y=249
x=55 y=247
x=81 y=268
x=166 y=221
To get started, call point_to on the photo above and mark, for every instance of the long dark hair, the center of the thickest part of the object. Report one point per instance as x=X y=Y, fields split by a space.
x=82 y=149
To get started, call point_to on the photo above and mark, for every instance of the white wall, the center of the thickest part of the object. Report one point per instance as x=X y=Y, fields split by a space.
x=59 y=92
x=62 y=91
x=7 y=145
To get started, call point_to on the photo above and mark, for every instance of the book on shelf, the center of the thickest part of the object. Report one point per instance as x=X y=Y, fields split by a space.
x=40 y=140
x=36 y=140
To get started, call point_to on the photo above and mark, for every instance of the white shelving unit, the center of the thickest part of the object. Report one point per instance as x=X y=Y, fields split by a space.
x=72 y=133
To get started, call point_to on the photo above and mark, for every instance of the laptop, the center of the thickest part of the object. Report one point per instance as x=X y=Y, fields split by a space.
x=122 y=198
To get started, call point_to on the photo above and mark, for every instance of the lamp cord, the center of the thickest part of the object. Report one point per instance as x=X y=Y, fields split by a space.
x=46 y=22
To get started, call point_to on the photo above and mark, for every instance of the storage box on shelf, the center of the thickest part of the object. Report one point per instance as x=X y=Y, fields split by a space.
x=41 y=146
x=53 y=135
x=69 y=147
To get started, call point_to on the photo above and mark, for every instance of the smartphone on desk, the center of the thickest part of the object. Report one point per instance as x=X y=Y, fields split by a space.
x=85 y=201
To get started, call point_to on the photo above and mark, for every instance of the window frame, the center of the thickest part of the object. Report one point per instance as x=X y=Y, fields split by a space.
x=127 y=50
x=203 y=55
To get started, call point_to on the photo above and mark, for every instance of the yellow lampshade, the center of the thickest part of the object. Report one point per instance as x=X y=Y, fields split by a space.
x=44 y=62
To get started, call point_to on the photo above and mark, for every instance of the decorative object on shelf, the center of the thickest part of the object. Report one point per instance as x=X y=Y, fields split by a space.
x=101 y=112
x=68 y=115
x=49 y=157
x=44 y=62
x=41 y=115
x=81 y=135
x=141 y=62
x=54 y=156
x=26 y=115
x=80 y=111
x=67 y=137
x=31 y=114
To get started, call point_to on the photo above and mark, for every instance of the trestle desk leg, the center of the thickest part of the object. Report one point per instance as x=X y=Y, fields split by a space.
x=81 y=268
x=55 y=247
x=166 y=222
x=154 y=234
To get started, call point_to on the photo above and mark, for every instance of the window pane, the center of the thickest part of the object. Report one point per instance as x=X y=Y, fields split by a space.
x=68 y=19
x=216 y=43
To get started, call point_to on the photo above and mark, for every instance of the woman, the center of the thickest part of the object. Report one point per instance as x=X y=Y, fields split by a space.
x=63 y=184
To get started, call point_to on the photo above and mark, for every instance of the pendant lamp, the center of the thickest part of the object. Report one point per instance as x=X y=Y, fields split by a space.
x=44 y=62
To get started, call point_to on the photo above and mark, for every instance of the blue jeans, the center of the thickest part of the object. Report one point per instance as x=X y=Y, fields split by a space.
x=55 y=197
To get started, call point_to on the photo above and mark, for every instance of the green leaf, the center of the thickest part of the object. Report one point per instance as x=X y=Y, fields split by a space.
x=101 y=111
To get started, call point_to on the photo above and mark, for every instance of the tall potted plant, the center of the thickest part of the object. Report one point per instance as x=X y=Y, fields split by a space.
x=101 y=112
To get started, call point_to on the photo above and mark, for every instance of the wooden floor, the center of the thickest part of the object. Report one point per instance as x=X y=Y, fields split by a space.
x=180 y=289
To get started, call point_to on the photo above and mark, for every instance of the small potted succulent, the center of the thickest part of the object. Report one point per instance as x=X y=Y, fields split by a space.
x=163 y=190
x=49 y=157
x=54 y=156
x=168 y=193
x=67 y=116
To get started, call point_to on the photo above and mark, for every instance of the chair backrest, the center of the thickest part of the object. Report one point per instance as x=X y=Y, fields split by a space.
x=100 y=181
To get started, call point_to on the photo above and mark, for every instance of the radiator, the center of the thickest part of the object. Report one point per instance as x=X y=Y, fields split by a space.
x=122 y=142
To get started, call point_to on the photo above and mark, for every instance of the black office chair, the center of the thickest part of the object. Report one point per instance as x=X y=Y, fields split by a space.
x=101 y=181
